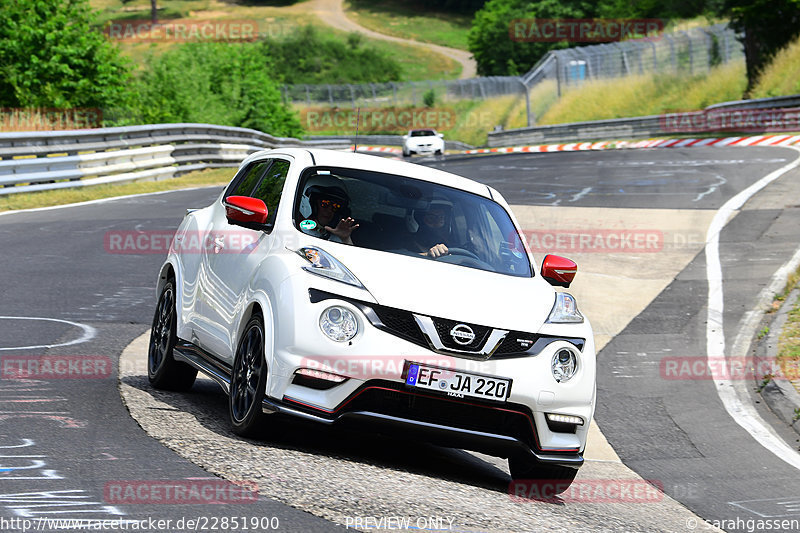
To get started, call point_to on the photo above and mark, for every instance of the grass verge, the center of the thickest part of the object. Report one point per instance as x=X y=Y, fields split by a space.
x=647 y=95
x=411 y=20
x=782 y=75
x=789 y=344
x=218 y=176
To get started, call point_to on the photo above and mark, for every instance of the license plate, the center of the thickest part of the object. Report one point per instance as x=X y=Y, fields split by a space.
x=458 y=384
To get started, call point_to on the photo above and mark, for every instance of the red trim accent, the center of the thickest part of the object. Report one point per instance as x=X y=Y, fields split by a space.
x=234 y=206
x=341 y=406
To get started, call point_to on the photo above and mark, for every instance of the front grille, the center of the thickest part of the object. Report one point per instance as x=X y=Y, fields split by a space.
x=400 y=323
x=511 y=420
x=444 y=327
x=516 y=342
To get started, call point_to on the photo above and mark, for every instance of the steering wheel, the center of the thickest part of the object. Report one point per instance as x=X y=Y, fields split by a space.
x=463 y=257
x=461 y=251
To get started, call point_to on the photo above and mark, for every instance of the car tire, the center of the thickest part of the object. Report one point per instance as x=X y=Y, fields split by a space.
x=163 y=371
x=554 y=479
x=248 y=380
x=406 y=154
x=438 y=152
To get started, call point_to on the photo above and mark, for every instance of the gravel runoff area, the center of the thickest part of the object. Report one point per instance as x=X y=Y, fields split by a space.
x=344 y=475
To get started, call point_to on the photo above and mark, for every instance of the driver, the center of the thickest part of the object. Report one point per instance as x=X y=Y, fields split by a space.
x=329 y=210
x=433 y=229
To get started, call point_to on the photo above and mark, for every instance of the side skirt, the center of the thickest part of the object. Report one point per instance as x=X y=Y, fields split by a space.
x=204 y=362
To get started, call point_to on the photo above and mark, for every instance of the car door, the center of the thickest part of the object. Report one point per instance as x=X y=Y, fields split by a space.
x=238 y=251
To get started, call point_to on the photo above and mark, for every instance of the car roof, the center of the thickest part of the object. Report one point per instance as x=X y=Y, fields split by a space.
x=335 y=158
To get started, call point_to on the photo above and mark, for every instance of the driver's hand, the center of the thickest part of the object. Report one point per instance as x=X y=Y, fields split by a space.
x=438 y=251
x=343 y=229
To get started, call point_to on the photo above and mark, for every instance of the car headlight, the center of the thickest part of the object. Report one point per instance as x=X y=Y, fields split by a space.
x=564 y=364
x=565 y=310
x=324 y=264
x=338 y=323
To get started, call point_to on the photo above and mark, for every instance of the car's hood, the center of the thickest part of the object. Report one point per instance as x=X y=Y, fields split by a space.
x=455 y=292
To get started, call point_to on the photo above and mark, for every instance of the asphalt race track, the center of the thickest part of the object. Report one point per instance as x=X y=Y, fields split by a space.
x=70 y=448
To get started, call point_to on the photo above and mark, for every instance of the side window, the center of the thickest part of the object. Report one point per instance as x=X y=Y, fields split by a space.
x=271 y=186
x=246 y=182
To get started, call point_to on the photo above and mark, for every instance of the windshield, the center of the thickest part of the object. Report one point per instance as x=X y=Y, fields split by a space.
x=422 y=133
x=401 y=215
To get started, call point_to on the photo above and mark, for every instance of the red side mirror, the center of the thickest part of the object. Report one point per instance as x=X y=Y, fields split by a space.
x=245 y=210
x=558 y=271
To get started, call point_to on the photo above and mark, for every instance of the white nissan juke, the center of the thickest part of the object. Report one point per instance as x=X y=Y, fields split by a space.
x=336 y=287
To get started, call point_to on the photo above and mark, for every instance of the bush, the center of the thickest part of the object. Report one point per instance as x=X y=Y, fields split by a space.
x=311 y=57
x=51 y=57
x=215 y=83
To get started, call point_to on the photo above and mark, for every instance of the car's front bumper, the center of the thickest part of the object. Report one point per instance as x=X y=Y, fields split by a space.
x=502 y=430
x=375 y=390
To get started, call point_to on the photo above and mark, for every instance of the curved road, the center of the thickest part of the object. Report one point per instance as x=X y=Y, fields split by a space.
x=71 y=450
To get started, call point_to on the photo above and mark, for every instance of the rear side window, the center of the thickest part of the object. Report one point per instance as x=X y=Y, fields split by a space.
x=270 y=187
x=244 y=184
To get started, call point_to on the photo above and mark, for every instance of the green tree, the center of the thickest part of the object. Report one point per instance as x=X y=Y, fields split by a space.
x=490 y=38
x=767 y=25
x=50 y=56
x=215 y=83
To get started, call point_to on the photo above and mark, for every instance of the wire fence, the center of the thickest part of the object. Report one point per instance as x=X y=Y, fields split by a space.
x=690 y=52
x=404 y=93
x=694 y=51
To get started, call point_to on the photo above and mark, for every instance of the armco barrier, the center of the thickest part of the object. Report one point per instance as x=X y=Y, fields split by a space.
x=390 y=140
x=36 y=161
x=620 y=128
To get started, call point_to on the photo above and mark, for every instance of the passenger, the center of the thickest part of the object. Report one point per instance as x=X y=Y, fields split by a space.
x=329 y=218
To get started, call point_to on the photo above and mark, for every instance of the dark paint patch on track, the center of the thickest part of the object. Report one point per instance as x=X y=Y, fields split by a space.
x=701 y=178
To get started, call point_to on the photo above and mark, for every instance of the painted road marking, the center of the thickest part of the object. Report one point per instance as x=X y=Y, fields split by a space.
x=734 y=395
x=88 y=333
x=771 y=508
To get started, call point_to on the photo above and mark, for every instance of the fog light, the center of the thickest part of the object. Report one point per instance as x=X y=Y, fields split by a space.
x=338 y=324
x=565 y=419
x=319 y=374
x=565 y=364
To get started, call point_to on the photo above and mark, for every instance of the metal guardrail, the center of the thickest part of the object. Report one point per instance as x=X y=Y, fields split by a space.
x=756 y=103
x=390 y=140
x=36 y=161
x=622 y=128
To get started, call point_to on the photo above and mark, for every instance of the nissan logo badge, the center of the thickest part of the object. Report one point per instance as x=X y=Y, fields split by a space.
x=462 y=334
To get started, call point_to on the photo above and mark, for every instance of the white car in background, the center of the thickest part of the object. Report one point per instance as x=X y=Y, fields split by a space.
x=423 y=141
x=337 y=287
